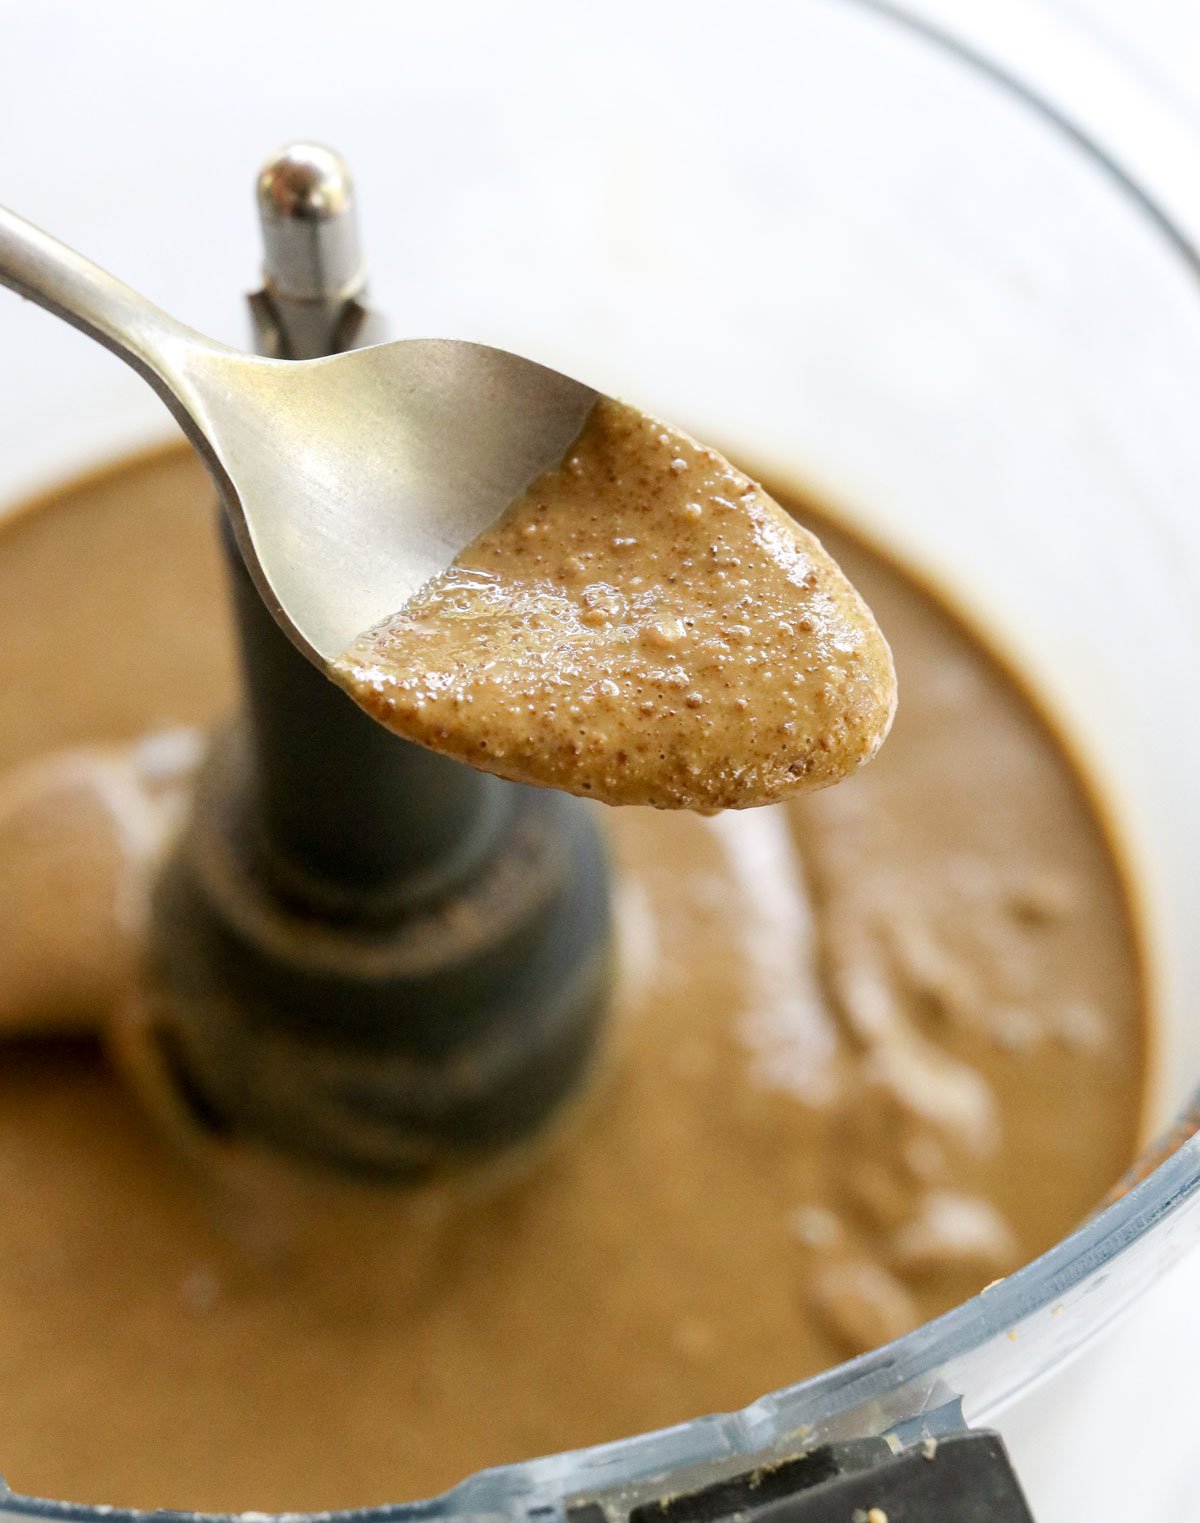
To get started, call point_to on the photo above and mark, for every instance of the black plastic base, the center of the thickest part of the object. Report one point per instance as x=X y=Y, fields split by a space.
x=960 y=1478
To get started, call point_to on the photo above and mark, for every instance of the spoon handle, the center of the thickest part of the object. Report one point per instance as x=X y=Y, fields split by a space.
x=39 y=267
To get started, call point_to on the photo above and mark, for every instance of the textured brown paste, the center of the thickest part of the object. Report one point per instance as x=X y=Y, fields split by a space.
x=644 y=626
x=874 y=1048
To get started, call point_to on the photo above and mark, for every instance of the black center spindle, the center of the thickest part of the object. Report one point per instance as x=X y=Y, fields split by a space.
x=364 y=953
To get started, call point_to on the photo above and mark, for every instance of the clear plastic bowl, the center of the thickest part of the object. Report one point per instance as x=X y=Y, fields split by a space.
x=851 y=253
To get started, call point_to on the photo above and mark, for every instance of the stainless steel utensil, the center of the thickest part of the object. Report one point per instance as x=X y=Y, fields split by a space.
x=350 y=481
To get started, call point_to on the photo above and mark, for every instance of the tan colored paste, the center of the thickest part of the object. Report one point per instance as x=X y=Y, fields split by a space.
x=875 y=1048
x=644 y=626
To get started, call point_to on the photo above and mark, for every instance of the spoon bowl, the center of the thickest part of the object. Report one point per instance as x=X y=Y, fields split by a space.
x=353 y=480
x=350 y=481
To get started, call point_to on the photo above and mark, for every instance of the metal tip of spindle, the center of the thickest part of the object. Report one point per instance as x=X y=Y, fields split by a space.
x=310 y=236
x=306 y=181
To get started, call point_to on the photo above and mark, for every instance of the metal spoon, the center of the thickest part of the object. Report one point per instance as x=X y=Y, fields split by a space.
x=350 y=481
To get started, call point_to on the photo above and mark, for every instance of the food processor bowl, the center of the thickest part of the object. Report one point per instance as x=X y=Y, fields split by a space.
x=857 y=257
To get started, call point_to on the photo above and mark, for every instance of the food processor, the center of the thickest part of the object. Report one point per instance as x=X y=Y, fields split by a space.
x=859 y=258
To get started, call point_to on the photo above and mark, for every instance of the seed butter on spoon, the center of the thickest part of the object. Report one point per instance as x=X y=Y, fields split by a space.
x=643 y=626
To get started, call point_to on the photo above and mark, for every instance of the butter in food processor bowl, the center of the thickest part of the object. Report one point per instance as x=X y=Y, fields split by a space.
x=859 y=259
